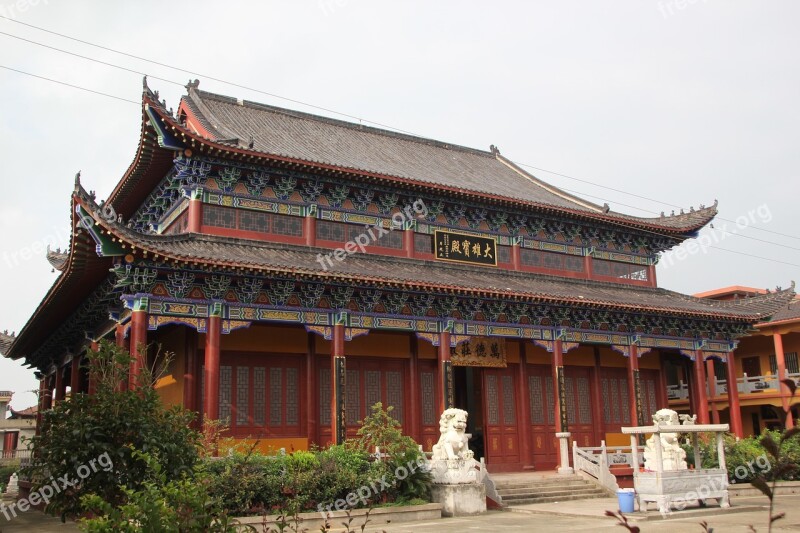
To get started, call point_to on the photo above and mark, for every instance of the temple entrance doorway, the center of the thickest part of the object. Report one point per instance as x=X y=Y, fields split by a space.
x=469 y=397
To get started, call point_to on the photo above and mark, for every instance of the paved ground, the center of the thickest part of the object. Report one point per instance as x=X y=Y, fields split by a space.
x=570 y=516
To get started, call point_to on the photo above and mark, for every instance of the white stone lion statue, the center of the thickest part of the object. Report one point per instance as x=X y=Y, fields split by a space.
x=672 y=455
x=452 y=441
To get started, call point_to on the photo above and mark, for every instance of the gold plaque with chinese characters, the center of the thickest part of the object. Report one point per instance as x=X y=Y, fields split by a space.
x=464 y=248
x=480 y=351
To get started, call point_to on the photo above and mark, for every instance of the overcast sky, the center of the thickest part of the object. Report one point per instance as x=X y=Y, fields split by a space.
x=671 y=102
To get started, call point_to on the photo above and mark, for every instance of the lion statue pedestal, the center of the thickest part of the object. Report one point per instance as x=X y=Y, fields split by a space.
x=457 y=476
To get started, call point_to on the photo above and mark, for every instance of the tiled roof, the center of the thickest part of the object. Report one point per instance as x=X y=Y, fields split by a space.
x=287 y=133
x=240 y=253
x=28 y=412
x=789 y=312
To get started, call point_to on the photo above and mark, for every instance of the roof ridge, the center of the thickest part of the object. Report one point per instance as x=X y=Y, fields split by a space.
x=337 y=122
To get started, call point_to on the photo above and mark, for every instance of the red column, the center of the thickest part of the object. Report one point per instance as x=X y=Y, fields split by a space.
x=597 y=399
x=138 y=346
x=700 y=387
x=119 y=335
x=733 y=397
x=445 y=369
x=312 y=409
x=712 y=387
x=651 y=275
x=663 y=399
x=524 y=410
x=408 y=242
x=780 y=359
x=310 y=229
x=516 y=259
x=44 y=402
x=190 y=372
x=634 y=386
x=213 y=334
x=338 y=375
x=558 y=370
x=195 y=216
x=413 y=386
x=75 y=376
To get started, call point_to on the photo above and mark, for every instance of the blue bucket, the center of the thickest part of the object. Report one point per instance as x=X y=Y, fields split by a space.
x=625 y=498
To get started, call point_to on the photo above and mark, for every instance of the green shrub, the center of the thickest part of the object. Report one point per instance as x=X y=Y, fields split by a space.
x=158 y=504
x=110 y=425
x=380 y=430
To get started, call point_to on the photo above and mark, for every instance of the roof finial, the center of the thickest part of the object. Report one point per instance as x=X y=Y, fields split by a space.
x=251 y=143
x=494 y=149
x=78 y=179
x=193 y=84
x=144 y=83
x=606 y=208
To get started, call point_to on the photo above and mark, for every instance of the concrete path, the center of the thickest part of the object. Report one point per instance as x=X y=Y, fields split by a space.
x=574 y=516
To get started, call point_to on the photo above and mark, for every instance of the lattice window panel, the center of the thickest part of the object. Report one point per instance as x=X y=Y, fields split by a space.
x=287 y=225
x=275 y=397
x=427 y=390
x=423 y=243
x=503 y=254
x=551 y=260
x=254 y=221
x=493 y=412
x=292 y=397
x=614 y=385
x=394 y=393
x=219 y=217
x=393 y=239
x=615 y=269
x=584 y=410
x=353 y=397
x=569 y=386
x=225 y=385
x=259 y=396
x=331 y=231
x=536 y=404
x=509 y=409
x=325 y=396
x=606 y=402
x=549 y=396
x=625 y=401
x=242 y=395
x=372 y=388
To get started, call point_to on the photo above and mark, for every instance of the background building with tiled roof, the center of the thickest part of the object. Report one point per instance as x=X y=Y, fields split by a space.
x=303 y=268
x=764 y=357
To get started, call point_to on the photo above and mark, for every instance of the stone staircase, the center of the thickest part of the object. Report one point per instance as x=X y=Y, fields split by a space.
x=518 y=490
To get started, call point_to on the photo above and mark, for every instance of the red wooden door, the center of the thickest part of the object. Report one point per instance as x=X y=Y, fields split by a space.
x=542 y=408
x=616 y=404
x=577 y=385
x=501 y=443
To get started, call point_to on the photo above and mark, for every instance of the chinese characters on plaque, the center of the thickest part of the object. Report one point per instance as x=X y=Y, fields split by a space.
x=480 y=351
x=463 y=248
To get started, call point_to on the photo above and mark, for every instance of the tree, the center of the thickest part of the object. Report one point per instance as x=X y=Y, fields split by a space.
x=90 y=444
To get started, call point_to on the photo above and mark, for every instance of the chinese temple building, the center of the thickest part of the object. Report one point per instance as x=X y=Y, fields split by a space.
x=302 y=269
